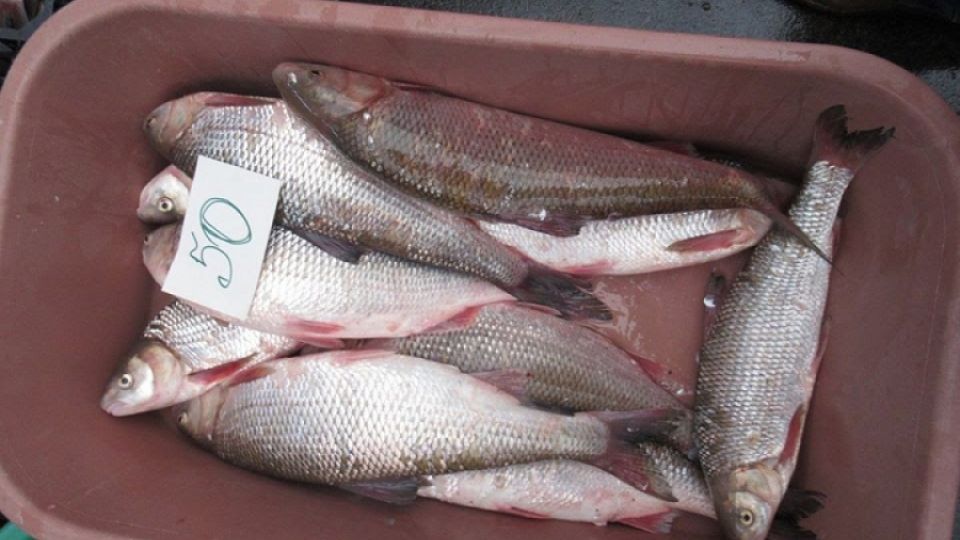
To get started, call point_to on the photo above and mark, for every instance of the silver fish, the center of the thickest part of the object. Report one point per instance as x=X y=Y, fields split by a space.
x=640 y=244
x=571 y=367
x=366 y=419
x=758 y=366
x=576 y=491
x=308 y=295
x=335 y=202
x=558 y=489
x=182 y=354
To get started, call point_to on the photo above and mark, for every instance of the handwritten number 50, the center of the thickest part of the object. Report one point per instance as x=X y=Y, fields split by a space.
x=213 y=234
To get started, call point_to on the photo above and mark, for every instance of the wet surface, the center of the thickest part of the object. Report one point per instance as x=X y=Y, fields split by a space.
x=927 y=46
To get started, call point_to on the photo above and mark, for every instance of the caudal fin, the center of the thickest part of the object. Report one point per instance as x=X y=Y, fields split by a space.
x=833 y=143
x=572 y=297
x=625 y=461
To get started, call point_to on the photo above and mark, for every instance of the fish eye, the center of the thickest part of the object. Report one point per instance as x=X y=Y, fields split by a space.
x=151 y=121
x=165 y=204
x=746 y=518
x=183 y=418
x=146 y=239
x=125 y=381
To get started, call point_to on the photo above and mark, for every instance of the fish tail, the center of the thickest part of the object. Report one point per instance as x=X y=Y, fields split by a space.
x=570 y=296
x=623 y=460
x=833 y=143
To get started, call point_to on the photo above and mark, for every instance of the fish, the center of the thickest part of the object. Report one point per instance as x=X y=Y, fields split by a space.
x=336 y=203
x=164 y=198
x=183 y=353
x=576 y=491
x=556 y=489
x=572 y=368
x=759 y=363
x=640 y=244
x=492 y=163
x=308 y=295
x=373 y=422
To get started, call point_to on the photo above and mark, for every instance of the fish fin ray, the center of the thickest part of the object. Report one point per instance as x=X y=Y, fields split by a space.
x=335 y=247
x=707 y=242
x=394 y=491
x=252 y=374
x=515 y=382
x=554 y=225
x=220 y=373
x=573 y=297
x=310 y=331
x=659 y=523
x=517 y=511
x=835 y=144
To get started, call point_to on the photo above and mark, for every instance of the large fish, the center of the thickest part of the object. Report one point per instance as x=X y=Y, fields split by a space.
x=638 y=245
x=182 y=354
x=571 y=367
x=493 y=163
x=374 y=421
x=758 y=366
x=333 y=201
x=308 y=295
x=576 y=491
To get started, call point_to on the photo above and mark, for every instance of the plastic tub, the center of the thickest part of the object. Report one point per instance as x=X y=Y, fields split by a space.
x=883 y=439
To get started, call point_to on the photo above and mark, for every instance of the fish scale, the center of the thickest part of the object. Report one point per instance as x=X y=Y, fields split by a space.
x=203 y=342
x=572 y=367
x=326 y=193
x=558 y=489
x=684 y=477
x=309 y=295
x=333 y=421
x=637 y=244
x=755 y=363
x=758 y=365
x=494 y=163
x=407 y=133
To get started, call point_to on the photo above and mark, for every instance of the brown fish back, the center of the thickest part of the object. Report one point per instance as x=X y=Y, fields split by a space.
x=489 y=161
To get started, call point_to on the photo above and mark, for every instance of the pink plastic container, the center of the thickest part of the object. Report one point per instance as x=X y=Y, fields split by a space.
x=883 y=439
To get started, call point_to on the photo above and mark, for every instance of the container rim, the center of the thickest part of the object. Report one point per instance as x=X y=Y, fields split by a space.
x=942 y=471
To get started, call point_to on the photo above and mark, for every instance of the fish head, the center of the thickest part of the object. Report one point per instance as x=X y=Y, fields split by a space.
x=159 y=248
x=148 y=379
x=326 y=94
x=164 y=199
x=746 y=501
x=198 y=417
x=168 y=122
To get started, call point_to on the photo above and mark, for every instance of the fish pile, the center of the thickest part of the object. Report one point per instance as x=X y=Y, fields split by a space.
x=425 y=319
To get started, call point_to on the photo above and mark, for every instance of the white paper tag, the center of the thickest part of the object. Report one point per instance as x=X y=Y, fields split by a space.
x=224 y=237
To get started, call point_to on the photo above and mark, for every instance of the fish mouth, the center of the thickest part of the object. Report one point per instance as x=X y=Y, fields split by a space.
x=156 y=127
x=114 y=407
